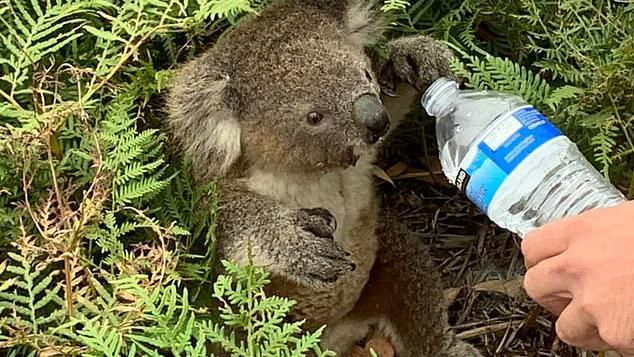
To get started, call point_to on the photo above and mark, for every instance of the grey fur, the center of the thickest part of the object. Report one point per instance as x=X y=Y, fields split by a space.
x=301 y=196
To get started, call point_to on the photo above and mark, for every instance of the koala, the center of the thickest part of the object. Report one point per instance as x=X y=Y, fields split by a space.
x=284 y=113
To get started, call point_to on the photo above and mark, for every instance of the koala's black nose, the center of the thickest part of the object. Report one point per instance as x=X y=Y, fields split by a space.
x=372 y=116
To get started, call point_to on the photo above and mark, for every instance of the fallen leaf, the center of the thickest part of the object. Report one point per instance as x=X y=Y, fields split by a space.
x=512 y=287
x=450 y=295
x=397 y=169
x=380 y=173
x=484 y=330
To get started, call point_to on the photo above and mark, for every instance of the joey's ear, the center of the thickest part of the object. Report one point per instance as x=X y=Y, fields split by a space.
x=202 y=121
x=364 y=22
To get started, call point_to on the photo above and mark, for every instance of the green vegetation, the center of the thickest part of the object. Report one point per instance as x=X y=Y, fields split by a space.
x=100 y=238
x=103 y=245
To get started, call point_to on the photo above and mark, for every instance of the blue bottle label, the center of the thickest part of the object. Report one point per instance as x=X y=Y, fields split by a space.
x=502 y=147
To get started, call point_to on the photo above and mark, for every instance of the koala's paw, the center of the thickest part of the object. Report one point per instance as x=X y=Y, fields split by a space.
x=318 y=221
x=418 y=60
x=319 y=259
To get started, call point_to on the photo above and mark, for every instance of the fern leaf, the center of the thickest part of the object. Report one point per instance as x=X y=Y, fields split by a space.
x=136 y=170
x=230 y=9
x=104 y=340
x=143 y=188
x=502 y=74
x=394 y=5
x=560 y=94
x=604 y=143
x=29 y=38
x=33 y=292
x=105 y=35
x=52 y=318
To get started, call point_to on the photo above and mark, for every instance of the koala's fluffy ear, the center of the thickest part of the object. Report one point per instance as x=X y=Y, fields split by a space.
x=364 y=22
x=201 y=121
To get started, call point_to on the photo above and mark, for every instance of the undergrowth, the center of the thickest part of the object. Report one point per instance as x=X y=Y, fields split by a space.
x=104 y=246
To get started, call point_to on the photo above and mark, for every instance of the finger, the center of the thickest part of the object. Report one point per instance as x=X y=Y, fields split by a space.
x=546 y=242
x=577 y=328
x=547 y=286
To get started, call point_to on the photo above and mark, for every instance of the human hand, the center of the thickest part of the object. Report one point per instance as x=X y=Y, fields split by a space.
x=582 y=269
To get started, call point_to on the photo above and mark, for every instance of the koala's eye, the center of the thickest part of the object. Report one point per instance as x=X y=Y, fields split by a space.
x=368 y=76
x=314 y=118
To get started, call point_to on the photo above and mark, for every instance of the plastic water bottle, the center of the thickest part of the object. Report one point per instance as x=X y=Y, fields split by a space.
x=510 y=160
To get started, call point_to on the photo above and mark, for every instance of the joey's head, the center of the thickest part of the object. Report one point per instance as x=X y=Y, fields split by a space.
x=315 y=107
x=290 y=90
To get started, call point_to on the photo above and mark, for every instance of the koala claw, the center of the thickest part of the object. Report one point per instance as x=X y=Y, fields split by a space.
x=388 y=91
x=387 y=80
x=418 y=60
x=318 y=221
x=320 y=259
x=329 y=269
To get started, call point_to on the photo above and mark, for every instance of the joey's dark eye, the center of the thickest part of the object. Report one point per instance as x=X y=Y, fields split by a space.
x=368 y=76
x=314 y=118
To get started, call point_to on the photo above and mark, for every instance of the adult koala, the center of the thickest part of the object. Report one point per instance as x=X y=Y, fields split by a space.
x=284 y=113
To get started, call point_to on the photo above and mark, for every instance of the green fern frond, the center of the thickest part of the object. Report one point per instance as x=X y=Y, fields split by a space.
x=135 y=170
x=243 y=303
x=459 y=69
x=30 y=299
x=394 y=5
x=561 y=94
x=604 y=142
x=101 y=338
x=502 y=74
x=129 y=154
x=143 y=188
x=563 y=70
x=30 y=33
x=225 y=8
x=194 y=206
x=467 y=37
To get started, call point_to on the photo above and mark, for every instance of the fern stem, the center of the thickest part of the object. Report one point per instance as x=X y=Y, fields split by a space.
x=69 y=285
x=250 y=284
x=571 y=47
x=60 y=201
x=621 y=122
x=10 y=99
x=62 y=211
x=26 y=184
x=130 y=51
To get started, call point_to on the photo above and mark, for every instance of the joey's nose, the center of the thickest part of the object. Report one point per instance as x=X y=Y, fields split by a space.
x=372 y=116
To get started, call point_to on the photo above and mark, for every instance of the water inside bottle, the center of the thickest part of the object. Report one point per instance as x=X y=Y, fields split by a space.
x=551 y=180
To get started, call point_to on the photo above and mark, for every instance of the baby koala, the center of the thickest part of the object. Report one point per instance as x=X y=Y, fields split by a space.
x=284 y=114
